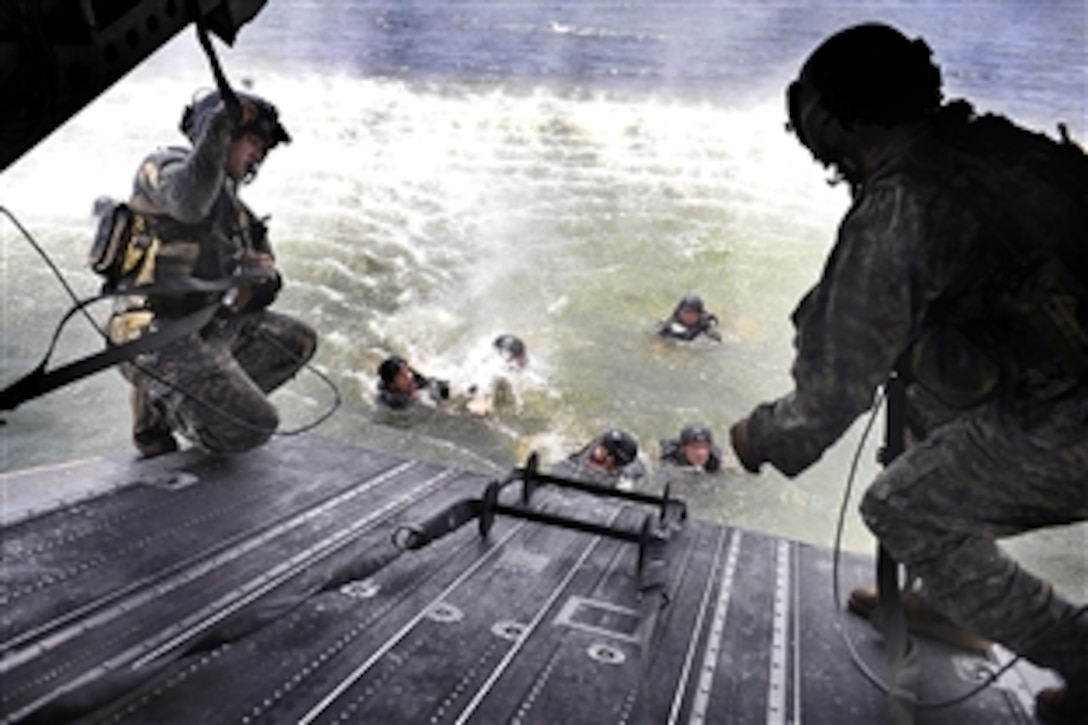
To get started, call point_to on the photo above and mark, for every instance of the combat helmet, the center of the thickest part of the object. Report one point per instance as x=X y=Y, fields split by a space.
x=694 y=433
x=620 y=445
x=691 y=301
x=389 y=368
x=869 y=73
x=267 y=124
x=511 y=347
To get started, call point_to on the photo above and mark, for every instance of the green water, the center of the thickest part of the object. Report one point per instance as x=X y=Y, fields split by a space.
x=423 y=219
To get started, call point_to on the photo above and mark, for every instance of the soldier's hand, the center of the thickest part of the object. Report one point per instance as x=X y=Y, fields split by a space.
x=742 y=446
x=258 y=262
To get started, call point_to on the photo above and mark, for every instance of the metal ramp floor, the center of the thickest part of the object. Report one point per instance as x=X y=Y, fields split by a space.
x=269 y=587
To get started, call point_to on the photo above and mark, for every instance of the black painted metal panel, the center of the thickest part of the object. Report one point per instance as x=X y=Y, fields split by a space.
x=267 y=588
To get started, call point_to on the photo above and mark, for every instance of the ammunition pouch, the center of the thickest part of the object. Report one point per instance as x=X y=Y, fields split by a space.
x=1030 y=195
x=127 y=326
x=107 y=253
x=1040 y=321
x=121 y=247
x=952 y=368
x=1052 y=305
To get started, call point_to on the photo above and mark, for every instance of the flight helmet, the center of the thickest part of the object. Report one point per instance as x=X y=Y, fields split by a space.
x=267 y=124
x=869 y=73
x=620 y=445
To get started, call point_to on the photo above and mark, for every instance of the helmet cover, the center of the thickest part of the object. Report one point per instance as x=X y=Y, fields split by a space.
x=266 y=125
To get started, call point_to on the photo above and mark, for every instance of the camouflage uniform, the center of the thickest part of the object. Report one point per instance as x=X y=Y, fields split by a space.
x=210 y=386
x=1015 y=462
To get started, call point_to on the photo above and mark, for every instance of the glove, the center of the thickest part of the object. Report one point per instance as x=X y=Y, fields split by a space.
x=743 y=448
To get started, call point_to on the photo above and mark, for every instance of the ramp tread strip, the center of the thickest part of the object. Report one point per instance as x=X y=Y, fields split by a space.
x=364 y=626
x=717 y=631
x=777 y=679
x=140 y=592
x=529 y=671
x=102 y=600
x=233 y=576
x=296 y=563
x=325 y=702
x=797 y=679
x=530 y=628
x=654 y=634
x=574 y=636
x=326 y=653
x=496 y=552
x=694 y=638
x=216 y=611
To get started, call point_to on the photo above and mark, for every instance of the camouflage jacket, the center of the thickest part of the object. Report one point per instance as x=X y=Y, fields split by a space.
x=908 y=244
x=189 y=222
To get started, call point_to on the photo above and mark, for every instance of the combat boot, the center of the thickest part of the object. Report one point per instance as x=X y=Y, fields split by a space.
x=921 y=618
x=1062 y=705
x=150 y=432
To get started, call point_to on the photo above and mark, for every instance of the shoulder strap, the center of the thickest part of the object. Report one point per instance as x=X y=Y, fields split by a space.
x=40 y=381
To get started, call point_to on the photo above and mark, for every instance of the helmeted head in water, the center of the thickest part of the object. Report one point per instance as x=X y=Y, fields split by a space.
x=613 y=449
x=396 y=375
x=512 y=349
x=695 y=433
x=696 y=445
x=690 y=310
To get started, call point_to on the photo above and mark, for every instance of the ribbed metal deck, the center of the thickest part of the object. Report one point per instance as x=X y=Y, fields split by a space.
x=266 y=588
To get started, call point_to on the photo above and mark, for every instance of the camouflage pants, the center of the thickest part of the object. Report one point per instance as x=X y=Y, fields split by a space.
x=212 y=386
x=996 y=472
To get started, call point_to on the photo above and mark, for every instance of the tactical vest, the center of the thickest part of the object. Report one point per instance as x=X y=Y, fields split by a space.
x=136 y=246
x=1024 y=304
x=673 y=328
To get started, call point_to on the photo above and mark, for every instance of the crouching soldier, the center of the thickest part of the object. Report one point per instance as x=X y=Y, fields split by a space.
x=188 y=229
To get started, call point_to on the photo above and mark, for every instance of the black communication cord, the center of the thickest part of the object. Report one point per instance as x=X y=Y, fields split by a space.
x=855 y=656
x=80 y=305
x=230 y=98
